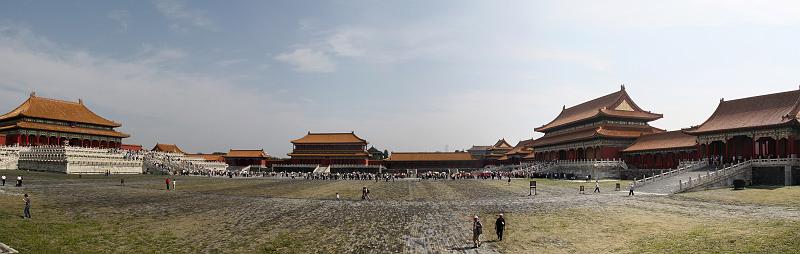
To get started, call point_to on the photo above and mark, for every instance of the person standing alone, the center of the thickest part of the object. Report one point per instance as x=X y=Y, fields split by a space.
x=477 y=230
x=500 y=226
x=4 y=180
x=630 y=190
x=26 y=213
x=596 y=186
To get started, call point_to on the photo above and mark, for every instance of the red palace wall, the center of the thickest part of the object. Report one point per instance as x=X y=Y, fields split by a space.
x=609 y=152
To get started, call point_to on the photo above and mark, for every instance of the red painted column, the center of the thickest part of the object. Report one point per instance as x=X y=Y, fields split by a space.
x=725 y=155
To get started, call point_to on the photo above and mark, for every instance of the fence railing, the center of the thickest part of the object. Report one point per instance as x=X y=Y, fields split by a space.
x=732 y=170
x=687 y=166
x=714 y=176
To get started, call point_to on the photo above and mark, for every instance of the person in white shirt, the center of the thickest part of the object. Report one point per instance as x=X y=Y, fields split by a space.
x=630 y=188
x=4 y=180
x=597 y=186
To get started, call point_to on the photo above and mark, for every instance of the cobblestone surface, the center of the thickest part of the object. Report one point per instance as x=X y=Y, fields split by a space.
x=404 y=216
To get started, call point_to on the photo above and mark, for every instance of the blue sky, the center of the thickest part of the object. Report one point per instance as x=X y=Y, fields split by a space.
x=405 y=75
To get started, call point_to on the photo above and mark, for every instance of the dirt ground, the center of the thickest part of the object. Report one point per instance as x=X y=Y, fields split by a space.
x=265 y=215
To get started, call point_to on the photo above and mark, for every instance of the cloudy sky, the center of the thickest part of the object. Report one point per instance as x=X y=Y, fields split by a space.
x=405 y=75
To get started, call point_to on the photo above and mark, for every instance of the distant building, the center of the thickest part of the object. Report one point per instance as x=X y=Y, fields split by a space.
x=43 y=121
x=131 y=147
x=432 y=160
x=375 y=154
x=522 y=152
x=167 y=148
x=497 y=151
x=209 y=157
x=243 y=158
x=329 y=149
x=479 y=152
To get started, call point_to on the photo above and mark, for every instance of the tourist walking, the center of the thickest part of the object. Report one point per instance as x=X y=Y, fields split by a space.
x=173 y=184
x=122 y=181
x=26 y=213
x=630 y=189
x=337 y=197
x=477 y=230
x=4 y=180
x=167 y=183
x=364 y=193
x=509 y=180
x=19 y=181
x=500 y=226
x=596 y=186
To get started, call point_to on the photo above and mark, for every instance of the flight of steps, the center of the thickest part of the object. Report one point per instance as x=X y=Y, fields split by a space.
x=670 y=182
x=322 y=170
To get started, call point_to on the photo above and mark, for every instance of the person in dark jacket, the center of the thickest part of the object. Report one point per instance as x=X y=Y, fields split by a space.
x=26 y=213
x=500 y=226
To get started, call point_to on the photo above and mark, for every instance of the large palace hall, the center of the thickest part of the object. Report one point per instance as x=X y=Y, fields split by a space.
x=44 y=121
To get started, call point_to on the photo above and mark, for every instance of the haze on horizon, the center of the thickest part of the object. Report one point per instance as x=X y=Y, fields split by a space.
x=405 y=75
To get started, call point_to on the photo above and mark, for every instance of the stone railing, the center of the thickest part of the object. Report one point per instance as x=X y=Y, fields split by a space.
x=687 y=166
x=592 y=163
x=79 y=160
x=178 y=163
x=714 y=176
x=733 y=170
x=355 y=166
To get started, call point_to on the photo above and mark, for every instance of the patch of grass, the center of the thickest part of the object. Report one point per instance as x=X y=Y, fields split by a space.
x=781 y=196
x=52 y=232
x=740 y=236
x=288 y=242
x=632 y=230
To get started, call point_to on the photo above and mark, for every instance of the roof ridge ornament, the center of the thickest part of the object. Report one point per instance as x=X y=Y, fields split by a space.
x=33 y=93
x=722 y=99
x=80 y=101
x=622 y=87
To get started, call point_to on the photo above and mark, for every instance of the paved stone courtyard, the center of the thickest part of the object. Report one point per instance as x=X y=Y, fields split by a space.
x=210 y=215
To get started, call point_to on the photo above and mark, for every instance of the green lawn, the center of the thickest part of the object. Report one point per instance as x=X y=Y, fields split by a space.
x=633 y=230
x=774 y=196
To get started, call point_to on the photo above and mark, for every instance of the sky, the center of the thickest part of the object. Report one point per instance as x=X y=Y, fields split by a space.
x=404 y=75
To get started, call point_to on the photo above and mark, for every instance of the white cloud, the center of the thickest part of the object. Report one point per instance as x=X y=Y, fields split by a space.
x=307 y=60
x=349 y=42
x=692 y=13
x=196 y=110
x=181 y=16
x=122 y=17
